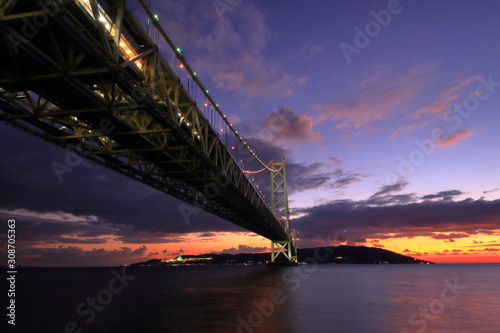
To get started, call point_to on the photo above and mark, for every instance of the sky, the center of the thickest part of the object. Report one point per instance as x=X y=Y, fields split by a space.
x=386 y=111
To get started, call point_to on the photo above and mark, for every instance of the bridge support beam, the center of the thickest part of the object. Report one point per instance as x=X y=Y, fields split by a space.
x=279 y=204
x=288 y=249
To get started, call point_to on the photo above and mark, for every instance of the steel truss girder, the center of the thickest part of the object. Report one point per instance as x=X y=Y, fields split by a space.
x=62 y=84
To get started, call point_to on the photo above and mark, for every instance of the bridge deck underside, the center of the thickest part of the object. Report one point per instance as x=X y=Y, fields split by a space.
x=68 y=82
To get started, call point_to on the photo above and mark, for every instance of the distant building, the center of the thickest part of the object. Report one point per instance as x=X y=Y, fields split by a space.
x=187 y=261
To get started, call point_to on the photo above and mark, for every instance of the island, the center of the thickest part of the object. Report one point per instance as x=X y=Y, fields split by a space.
x=342 y=254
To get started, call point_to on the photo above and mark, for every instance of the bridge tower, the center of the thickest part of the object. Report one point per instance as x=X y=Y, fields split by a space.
x=279 y=204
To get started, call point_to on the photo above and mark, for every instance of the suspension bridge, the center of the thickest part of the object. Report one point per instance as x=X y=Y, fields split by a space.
x=87 y=76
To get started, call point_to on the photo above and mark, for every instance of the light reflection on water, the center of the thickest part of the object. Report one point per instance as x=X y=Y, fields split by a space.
x=304 y=299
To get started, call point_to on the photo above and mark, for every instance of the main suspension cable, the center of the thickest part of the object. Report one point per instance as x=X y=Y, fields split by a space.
x=178 y=54
x=266 y=168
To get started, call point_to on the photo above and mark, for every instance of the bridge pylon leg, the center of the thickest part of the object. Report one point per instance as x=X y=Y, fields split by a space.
x=279 y=204
x=287 y=249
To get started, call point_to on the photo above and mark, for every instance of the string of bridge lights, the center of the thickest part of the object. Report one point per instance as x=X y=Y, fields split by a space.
x=178 y=53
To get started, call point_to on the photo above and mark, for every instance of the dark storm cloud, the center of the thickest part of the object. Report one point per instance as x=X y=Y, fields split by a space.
x=76 y=256
x=46 y=231
x=341 y=178
x=244 y=249
x=399 y=199
x=176 y=253
x=147 y=237
x=387 y=189
x=347 y=220
x=443 y=195
x=450 y=236
x=207 y=235
x=345 y=181
x=305 y=177
x=285 y=126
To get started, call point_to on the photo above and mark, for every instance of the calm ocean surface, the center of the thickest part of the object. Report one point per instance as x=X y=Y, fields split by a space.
x=304 y=299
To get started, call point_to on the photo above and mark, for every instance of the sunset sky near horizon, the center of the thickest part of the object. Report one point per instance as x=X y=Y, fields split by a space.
x=391 y=138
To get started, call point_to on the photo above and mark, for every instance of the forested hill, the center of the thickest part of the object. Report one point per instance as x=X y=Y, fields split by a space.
x=323 y=255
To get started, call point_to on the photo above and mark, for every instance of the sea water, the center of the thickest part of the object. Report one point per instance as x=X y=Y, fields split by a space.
x=304 y=299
